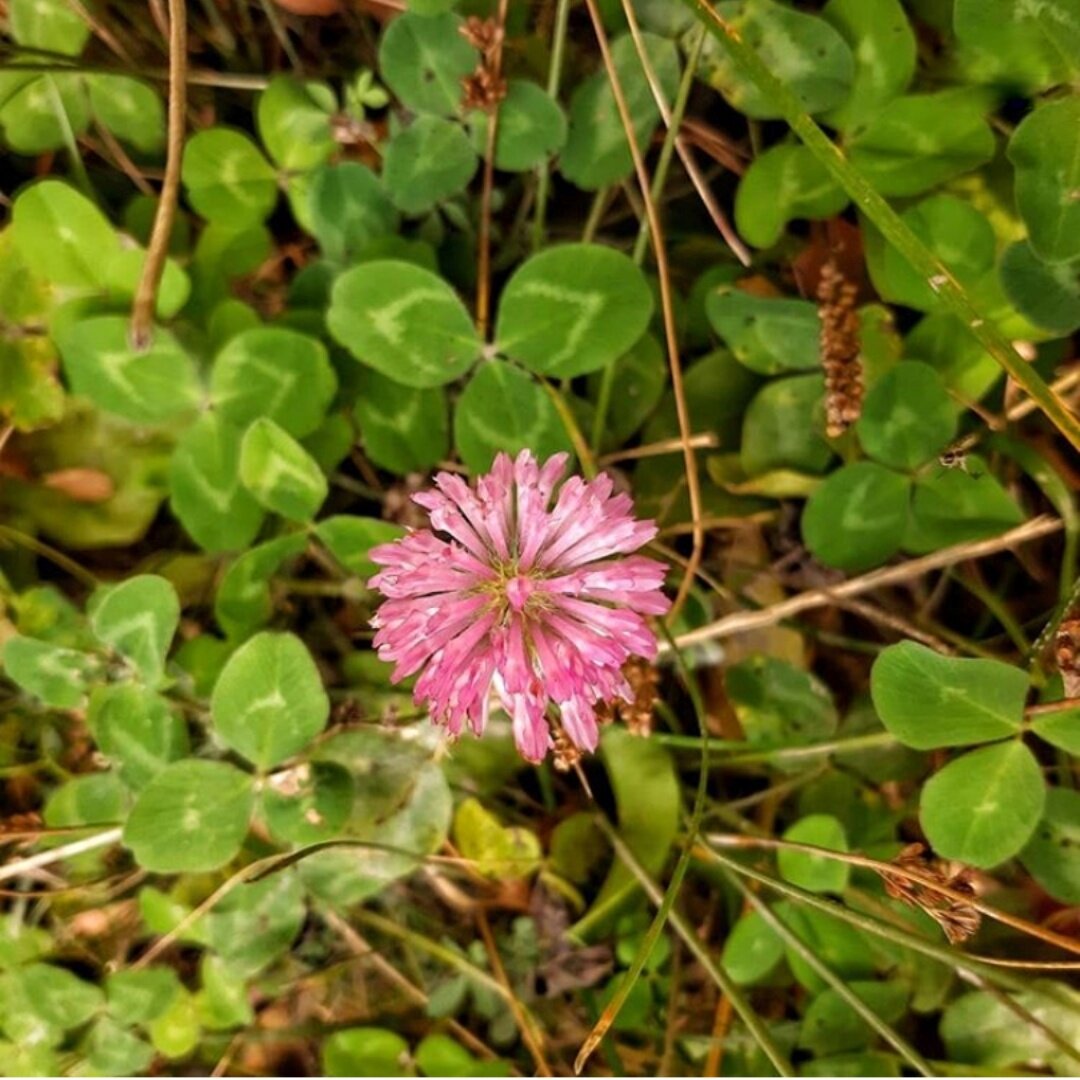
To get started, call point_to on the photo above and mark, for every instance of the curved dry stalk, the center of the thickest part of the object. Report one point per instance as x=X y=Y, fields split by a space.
x=573 y=432
x=196 y=913
x=157 y=251
x=927 y=881
x=706 y=440
x=58 y=854
x=682 y=148
x=111 y=884
x=363 y=950
x=667 y=305
x=543 y=182
x=100 y=30
x=445 y=955
x=674 y=556
x=483 y=257
x=1026 y=1015
x=964 y=964
x=826 y=974
x=1069 y=381
x=46 y=551
x=740 y=622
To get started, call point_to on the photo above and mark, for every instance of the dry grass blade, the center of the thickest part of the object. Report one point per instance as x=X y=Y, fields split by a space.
x=447 y=956
x=362 y=950
x=142 y=311
x=965 y=964
x=246 y=874
x=668 y=310
x=666 y=906
x=682 y=148
x=707 y=440
x=827 y=975
x=58 y=854
x=903 y=871
x=528 y=1035
x=741 y=621
x=491 y=72
x=754 y=1025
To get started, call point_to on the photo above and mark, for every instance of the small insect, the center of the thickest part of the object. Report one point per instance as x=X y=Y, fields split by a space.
x=954 y=457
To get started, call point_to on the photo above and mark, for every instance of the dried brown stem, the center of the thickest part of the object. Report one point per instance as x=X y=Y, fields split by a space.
x=705 y=441
x=1069 y=381
x=925 y=880
x=682 y=148
x=483 y=268
x=121 y=158
x=667 y=306
x=890 y=621
x=142 y=312
x=741 y=621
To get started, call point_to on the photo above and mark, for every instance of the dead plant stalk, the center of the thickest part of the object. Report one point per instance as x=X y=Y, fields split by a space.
x=667 y=305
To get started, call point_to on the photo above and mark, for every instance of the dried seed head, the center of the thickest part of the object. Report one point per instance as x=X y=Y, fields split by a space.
x=1067 y=655
x=485 y=35
x=565 y=755
x=840 y=355
x=483 y=89
x=957 y=919
x=637 y=714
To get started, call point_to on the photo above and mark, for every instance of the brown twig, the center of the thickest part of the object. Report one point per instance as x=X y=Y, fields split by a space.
x=101 y=31
x=716 y=144
x=721 y=1024
x=674 y=1019
x=1028 y=405
x=766 y=821
x=741 y=621
x=704 y=576
x=891 y=621
x=1017 y=411
x=483 y=267
x=707 y=440
x=573 y=431
x=667 y=305
x=142 y=312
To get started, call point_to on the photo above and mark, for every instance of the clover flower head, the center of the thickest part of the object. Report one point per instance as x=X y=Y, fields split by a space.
x=523 y=592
